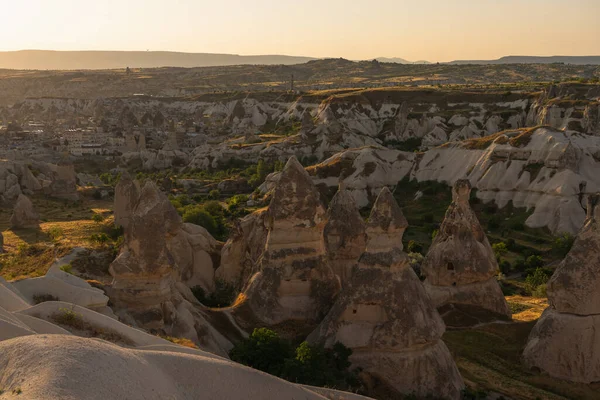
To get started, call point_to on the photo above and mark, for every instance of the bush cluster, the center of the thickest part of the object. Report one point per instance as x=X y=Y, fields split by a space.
x=265 y=350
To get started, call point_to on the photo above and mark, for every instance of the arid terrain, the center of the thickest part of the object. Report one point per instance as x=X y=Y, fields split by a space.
x=393 y=231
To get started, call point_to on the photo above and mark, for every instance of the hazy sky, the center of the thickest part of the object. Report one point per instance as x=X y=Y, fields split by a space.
x=435 y=30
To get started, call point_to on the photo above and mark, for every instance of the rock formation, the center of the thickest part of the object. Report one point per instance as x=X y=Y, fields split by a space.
x=24 y=214
x=241 y=253
x=161 y=260
x=295 y=282
x=344 y=235
x=565 y=341
x=461 y=267
x=385 y=316
x=127 y=193
x=37 y=343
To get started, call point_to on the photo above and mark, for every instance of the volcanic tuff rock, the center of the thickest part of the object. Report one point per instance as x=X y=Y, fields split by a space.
x=127 y=194
x=543 y=169
x=33 y=177
x=460 y=267
x=24 y=214
x=295 y=282
x=243 y=249
x=128 y=363
x=344 y=235
x=159 y=262
x=564 y=342
x=387 y=319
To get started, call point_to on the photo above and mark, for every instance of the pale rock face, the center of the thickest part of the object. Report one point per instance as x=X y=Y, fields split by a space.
x=565 y=346
x=461 y=257
x=243 y=249
x=160 y=257
x=295 y=281
x=152 y=372
x=127 y=193
x=24 y=214
x=385 y=316
x=564 y=342
x=574 y=286
x=344 y=235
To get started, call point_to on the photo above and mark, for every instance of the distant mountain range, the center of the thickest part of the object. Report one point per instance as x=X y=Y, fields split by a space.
x=65 y=60
x=71 y=60
x=398 y=60
x=577 y=60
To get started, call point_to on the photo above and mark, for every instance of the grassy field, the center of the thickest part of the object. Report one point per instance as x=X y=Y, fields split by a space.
x=64 y=226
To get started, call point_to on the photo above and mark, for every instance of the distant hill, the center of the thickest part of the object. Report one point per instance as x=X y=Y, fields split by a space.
x=398 y=60
x=68 y=60
x=577 y=60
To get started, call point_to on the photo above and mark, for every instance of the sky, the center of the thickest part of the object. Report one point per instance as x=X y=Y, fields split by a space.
x=433 y=30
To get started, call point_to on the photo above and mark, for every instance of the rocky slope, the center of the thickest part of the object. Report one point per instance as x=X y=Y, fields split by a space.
x=124 y=363
x=541 y=169
x=564 y=342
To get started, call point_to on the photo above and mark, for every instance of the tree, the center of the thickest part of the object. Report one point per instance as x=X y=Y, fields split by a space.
x=500 y=249
x=199 y=216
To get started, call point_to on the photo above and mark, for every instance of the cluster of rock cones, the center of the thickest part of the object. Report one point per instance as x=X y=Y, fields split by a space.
x=328 y=276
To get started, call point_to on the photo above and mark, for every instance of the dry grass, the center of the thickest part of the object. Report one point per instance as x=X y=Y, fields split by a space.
x=489 y=358
x=531 y=307
x=181 y=341
x=74 y=323
x=30 y=252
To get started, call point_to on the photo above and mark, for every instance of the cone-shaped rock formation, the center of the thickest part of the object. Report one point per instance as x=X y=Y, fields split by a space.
x=24 y=214
x=385 y=316
x=565 y=342
x=344 y=234
x=159 y=262
x=295 y=282
x=460 y=266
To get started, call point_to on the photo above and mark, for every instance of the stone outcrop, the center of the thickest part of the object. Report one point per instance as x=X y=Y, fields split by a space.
x=161 y=259
x=127 y=194
x=564 y=342
x=385 y=316
x=295 y=281
x=24 y=214
x=461 y=267
x=344 y=235
x=241 y=253
x=36 y=177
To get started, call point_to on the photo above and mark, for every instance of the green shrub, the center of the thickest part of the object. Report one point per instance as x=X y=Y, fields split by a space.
x=199 y=216
x=540 y=291
x=562 y=244
x=238 y=199
x=534 y=262
x=100 y=238
x=97 y=218
x=500 y=249
x=265 y=350
x=214 y=194
x=55 y=233
x=535 y=280
x=68 y=268
x=223 y=296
